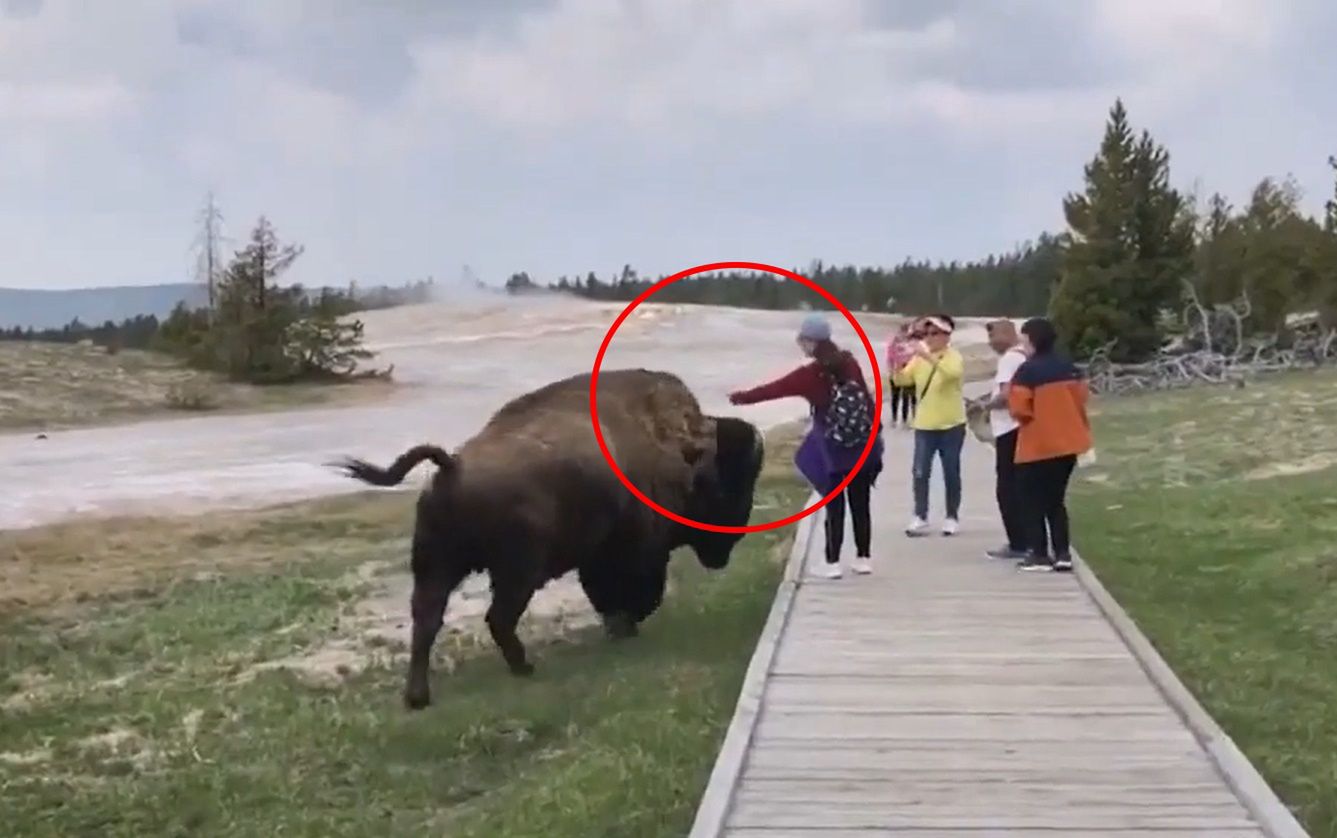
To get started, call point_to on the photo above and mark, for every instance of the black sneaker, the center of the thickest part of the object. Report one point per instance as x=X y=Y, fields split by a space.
x=1037 y=564
x=1063 y=564
x=1006 y=553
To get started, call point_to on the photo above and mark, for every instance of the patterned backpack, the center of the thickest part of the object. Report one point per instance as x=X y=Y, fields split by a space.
x=849 y=417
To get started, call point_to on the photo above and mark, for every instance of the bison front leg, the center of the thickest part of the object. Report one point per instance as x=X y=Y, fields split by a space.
x=602 y=588
x=510 y=598
x=648 y=592
x=637 y=593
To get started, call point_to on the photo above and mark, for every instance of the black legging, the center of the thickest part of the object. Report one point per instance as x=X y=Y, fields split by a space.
x=858 y=492
x=1044 y=485
x=902 y=399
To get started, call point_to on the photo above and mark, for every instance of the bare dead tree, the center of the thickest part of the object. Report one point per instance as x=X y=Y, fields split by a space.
x=208 y=244
x=469 y=279
x=1215 y=347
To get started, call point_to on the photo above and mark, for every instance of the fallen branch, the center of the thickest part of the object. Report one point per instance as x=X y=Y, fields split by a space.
x=1213 y=349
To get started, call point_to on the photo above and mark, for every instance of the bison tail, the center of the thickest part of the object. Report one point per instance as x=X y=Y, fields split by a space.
x=399 y=469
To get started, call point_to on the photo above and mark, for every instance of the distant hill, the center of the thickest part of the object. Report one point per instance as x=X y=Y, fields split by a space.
x=43 y=309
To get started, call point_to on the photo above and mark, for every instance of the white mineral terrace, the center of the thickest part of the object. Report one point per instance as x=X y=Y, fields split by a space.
x=457 y=362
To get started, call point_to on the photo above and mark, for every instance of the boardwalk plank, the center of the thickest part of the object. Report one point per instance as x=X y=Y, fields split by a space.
x=987 y=832
x=1057 y=727
x=1052 y=815
x=1108 y=671
x=1014 y=797
x=845 y=697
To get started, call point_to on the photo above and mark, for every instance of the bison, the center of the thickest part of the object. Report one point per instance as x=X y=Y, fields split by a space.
x=530 y=498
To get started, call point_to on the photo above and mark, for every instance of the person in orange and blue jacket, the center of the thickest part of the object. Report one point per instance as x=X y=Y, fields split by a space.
x=1048 y=398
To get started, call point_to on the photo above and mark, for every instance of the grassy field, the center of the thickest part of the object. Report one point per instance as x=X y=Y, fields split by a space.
x=49 y=386
x=229 y=675
x=1212 y=516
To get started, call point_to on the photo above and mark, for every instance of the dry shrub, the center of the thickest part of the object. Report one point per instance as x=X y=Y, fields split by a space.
x=194 y=395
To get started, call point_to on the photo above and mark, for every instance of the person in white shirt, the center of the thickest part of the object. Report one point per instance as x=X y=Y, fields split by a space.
x=1003 y=340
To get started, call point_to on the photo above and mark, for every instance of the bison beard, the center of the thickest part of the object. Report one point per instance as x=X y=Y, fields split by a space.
x=530 y=498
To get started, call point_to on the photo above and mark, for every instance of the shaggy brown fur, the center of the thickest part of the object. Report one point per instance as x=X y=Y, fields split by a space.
x=530 y=498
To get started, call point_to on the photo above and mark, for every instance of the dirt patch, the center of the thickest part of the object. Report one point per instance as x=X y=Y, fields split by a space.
x=122 y=744
x=76 y=561
x=1278 y=427
x=32 y=688
x=50 y=386
x=1307 y=465
x=190 y=724
x=374 y=630
x=36 y=688
x=118 y=750
x=111 y=740
x=36 y=756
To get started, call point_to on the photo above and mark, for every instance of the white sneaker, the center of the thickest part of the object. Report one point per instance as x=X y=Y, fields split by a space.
x=917 y=527
x=951 y=526
x=827 y=570
x=862 y=566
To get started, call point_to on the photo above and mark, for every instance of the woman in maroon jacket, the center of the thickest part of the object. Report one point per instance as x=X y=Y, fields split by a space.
x=824 y=463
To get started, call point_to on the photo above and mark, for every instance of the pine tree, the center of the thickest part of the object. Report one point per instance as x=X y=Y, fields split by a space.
x=1218 y=261
x=519 y=283
x=1130 y=245
x=265 y=333
x=1271 y=263
x=1326 y=272
x=254 y=271
x=1330 y=206
x=253 y=312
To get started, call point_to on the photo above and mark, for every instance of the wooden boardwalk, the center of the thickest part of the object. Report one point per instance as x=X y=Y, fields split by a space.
x=948 y=694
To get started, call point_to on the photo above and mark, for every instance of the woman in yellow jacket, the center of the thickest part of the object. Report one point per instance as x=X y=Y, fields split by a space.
x=936 y=371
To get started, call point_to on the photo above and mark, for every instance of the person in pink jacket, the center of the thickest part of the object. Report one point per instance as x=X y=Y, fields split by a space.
x=900 y=350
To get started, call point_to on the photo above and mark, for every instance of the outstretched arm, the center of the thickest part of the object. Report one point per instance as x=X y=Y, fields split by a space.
x=796 y=383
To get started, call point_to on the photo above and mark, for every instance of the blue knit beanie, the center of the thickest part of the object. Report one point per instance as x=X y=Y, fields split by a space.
x=815 y=327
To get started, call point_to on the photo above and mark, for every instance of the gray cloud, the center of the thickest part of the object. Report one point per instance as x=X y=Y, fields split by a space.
x=19 y=8
x=405 y=138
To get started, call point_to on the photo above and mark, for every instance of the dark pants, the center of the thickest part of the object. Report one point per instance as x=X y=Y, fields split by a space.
x=1008 y=491
x=902 y=402
x=947 y=446
x=1044 y=486
x=858 y=493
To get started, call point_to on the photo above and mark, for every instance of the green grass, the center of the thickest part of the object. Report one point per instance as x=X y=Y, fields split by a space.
x=1212 y=517
x=130 y=713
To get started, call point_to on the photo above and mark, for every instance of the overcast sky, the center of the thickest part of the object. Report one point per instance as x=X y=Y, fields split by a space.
x=403 y=138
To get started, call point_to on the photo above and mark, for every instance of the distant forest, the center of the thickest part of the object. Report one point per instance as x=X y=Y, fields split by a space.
x=142 y=332
x=1017 y=284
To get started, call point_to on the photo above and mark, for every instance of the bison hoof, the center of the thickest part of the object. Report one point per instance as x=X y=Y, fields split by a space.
x=620 y=626
x=417 y=700
x=523 y=669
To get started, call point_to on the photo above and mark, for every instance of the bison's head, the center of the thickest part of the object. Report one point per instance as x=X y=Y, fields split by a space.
x=723 y=490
